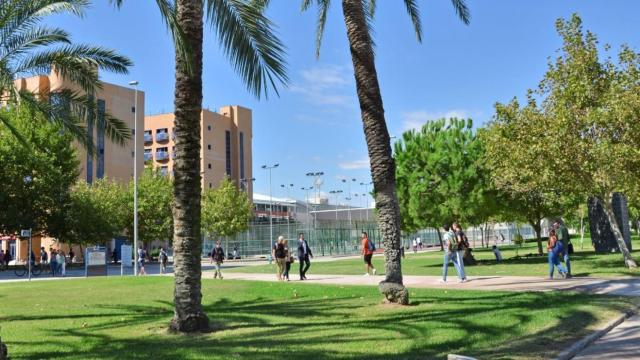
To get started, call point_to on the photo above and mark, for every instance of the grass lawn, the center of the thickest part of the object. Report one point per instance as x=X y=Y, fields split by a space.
x=583 y=263
x=126 y=318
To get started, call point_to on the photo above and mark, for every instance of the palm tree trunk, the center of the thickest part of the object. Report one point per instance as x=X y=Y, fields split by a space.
x=188 y=313
x=617 y=232
x=378 y=143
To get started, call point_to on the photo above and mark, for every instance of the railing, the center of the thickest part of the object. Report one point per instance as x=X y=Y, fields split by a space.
x=148 y=138
x=162 y=155
x=148 y=157
x=163 y=136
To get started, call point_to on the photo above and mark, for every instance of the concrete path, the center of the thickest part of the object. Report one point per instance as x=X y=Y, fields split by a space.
x=621 y=343
x=619 y=286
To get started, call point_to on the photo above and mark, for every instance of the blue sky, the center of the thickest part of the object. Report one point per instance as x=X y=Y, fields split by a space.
x=315 y=124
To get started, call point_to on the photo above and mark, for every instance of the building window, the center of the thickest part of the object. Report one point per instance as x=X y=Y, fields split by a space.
x=100 y=122
x=210 y=186
x=227 y=140
x=209 y=166
x=241 y=155
x=209 y=147
x=209 y=127
x=89 y=156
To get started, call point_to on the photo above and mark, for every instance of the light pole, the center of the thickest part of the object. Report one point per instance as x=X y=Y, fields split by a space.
x=336 y=193
x=287 y=187
x=270 y=167
x=135 y=176
x=307 y=189
x=366 y=190
x=349 y=198
x=317 y=183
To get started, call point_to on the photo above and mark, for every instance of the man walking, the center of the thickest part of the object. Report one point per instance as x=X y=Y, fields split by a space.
x=367 y=252
x=304 y=252
x=563 y=236
x=451 y=254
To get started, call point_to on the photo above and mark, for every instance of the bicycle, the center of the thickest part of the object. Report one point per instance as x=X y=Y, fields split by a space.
x=22 y=269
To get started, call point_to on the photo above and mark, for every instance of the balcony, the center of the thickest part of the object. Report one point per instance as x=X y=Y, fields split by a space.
x=162 y=136
x=148 y=156
x=148 y=138
x=164 y=171
x=162 y=155
x=173 y=155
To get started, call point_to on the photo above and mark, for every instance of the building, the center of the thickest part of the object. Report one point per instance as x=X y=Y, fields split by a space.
x=111 y=160
x=226 y=145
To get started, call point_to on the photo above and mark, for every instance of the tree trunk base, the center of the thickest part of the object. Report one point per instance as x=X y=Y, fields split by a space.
x=192 y=323
x=394 y=292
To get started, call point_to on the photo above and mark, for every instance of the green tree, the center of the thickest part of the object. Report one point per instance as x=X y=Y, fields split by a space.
x=583 y=137
x=226 y=210
x=155 y=220
x=246 y=36
x=441 y=177
x=36 y=185
x=29 y=49
x=358 y=17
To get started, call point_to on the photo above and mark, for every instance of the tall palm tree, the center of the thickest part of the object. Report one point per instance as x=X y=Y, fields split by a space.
x=247 y=38
x=358 y=15
x=28 y=48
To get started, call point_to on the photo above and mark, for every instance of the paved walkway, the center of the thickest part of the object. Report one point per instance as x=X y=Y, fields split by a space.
x=620 y=286
x=621 y=343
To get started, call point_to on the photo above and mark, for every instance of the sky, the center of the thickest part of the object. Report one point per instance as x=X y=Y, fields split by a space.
x=314 y=125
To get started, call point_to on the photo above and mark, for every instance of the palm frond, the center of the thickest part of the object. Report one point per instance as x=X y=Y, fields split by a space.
x=247 y=37
x=323 y=9
x=372 y=8
x=414 y=14
x=462 y=10
x=22 y=42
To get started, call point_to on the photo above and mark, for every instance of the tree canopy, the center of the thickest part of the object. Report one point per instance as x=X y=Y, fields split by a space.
x=226 y=210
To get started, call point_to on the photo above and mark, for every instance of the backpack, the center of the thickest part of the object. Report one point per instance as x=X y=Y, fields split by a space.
x=371 y=245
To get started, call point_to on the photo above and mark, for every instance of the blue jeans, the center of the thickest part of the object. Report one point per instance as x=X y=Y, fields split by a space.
x=567 y=263
x=456 y=258
x=54 y=267
x=554 y=261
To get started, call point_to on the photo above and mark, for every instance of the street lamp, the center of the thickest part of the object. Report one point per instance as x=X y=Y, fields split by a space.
x=349 y=198
x=246 y=184
x=307 y=189
x=336 y=193
x=366 y=190
x=135 y=176
x=270 y=167
x=287 y=207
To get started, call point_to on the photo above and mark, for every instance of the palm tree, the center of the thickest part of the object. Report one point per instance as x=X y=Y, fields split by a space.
x=247 y=38
x=28 y=49
x=358 y=15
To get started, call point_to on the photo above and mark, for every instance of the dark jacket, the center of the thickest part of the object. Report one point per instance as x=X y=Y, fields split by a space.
x=301 y=249
x=217 y=254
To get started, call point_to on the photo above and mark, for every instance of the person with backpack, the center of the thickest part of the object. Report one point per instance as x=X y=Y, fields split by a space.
x=563 y=236
x=451 y=255
x=554 y=251
x=217 y=255
x=368 y=248
x=142 y=256
x=464 y=248
x=280 y=254
x=304 y=253
x=163 y=260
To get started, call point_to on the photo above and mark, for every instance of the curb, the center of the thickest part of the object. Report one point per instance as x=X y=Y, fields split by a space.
x=580 y=345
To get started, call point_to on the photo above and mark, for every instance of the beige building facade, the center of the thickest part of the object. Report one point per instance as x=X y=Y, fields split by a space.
x=226 y=145
x=111 y=160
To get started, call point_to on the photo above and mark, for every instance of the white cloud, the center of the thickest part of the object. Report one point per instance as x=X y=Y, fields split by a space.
x=326 y=85
x=415 y=119
x=355 y=164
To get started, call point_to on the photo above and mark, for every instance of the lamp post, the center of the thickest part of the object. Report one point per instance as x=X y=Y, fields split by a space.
x=336 y=193
x=135 y=176
x=287 y=187
x=270 y=167
x=366 y=190
x=349 y=198
x=246 y=184
x=317 y=183
x=307 y=189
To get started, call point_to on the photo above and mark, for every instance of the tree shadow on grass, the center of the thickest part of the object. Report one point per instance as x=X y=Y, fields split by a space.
x=317 y=328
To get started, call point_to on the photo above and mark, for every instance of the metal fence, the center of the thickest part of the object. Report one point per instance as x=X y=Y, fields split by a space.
x=343 y=238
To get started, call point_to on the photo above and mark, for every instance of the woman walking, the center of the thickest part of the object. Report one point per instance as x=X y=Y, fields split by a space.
x=163 y=260
x=280 y=254
x=62 y=263
x=554 y=248
x=288 y=259
x=217 y=254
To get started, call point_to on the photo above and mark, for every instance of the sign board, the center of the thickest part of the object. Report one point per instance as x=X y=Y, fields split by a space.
x=25 y=233
x=95 y=262
x=126 y=255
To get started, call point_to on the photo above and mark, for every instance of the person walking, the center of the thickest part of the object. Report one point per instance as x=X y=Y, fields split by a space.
x=62 y=263
x=450 y=254
x=415 y=246
x=44 y=257
x=217 y=256
x=71 y=255
x=163 y=260
x=1 y=259
x=280 y=254
x=367 y=251
x=304 y=253
x=288 y=259
x=419 y=243
x=563 y=236
x=464 y=249
x=142 y=255
x=53 y=262
x=554 y=251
